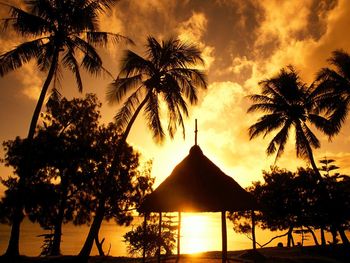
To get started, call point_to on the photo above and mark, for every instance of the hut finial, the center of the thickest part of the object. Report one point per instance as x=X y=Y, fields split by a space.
x=195 y=132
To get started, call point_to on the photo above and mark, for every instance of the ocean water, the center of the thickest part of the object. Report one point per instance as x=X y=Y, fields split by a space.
x=200 y=232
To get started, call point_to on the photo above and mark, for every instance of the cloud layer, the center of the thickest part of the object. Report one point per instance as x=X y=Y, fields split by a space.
x=243 y=42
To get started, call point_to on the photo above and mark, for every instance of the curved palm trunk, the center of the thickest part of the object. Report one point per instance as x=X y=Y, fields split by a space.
x=322 y=190
x=13 y=246
x=312 y=160
x=95 y=227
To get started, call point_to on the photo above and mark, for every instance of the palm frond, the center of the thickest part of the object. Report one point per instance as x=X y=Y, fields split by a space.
x=340 y=113
x=125 y=113
x=154 y=51
x=262 y=107
x=266 y=124
x=175 y=104
x=22 y=54
x=91 y=60
x=301 y=142
x=279 y=140
x=46 y=55
x=153 y=118
x=190 y=80
x=181 y=121
x=133 y=64
x=341 y=60
x=324 y=124
x=102 y=39
x=310 y=136
x=269 y=90
x=71 y=63
x=176 y=53
x=260 y=98
x=25 y=23
x=121 y=86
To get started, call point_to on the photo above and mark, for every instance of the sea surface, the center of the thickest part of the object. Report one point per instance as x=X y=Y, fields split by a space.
x=193 y=239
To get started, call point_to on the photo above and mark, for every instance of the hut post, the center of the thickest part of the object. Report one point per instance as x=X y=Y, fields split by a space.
x=144 y=238
x=178 y=235
x=253 y=230
x=224 y=236
x=159 y=236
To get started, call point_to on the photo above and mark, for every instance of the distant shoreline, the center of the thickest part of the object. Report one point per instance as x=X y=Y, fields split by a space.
x=330 y=253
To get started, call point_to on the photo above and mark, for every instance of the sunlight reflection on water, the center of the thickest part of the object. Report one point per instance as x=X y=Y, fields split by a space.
x=204 y=235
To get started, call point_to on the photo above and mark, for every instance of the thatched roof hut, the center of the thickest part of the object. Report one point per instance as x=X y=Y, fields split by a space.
x=198 y=185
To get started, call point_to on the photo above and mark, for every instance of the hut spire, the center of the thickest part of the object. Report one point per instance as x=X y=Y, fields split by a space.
x=195 y=132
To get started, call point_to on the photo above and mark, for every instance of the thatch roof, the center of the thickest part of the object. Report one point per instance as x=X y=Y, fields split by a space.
x=198 y=185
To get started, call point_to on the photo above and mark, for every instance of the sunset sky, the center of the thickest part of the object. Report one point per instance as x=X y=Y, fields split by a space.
x=243 y=42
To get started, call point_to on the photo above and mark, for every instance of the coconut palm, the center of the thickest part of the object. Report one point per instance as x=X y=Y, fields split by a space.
x=58 y=31
x=333 y=87
x=166 y=72
x=288 y=103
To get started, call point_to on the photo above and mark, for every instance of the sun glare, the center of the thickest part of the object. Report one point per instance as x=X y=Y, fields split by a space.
x=195 y=233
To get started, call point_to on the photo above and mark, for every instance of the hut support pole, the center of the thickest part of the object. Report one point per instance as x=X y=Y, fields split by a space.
x=159 y=235
x=178 y=235
x=253 y=230
x=144 y=238
x=224 y=236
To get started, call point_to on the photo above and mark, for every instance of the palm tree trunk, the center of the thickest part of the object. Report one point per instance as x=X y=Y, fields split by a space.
x=290 y=240
x=56 y=244
x=133 y=118
x=312 y=160
x=13 y=245
x=313 y=236
x=95 y=227
x=42 y=96
x=99 y=245
x=253 y=230
x=323 y=238
x=343 y=236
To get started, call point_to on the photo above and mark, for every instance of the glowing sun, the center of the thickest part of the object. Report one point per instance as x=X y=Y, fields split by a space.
x=194 y=233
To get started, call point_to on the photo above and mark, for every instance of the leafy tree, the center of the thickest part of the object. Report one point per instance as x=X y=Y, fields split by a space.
x=57 y=31
x=138 y=239
x=293 y=202
x=288 y=103
x=167 y=71
x=73 y=153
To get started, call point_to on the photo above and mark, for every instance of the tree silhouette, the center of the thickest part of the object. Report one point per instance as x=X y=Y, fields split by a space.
x=57 y=31
x=288 y=102
x=138 y=237
x=333 y=87
x=298 y=200
x=72 y=155
x=167 y=71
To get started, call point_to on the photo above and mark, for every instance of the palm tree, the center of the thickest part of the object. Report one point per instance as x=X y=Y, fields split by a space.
x=333 y=87
x=57 y=31
x=167 y=72
x=289 y=103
